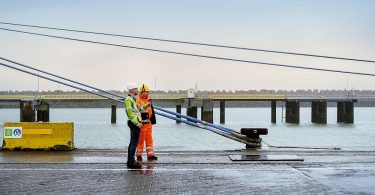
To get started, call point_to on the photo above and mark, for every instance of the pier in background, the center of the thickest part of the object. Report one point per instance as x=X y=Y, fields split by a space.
x=289 y=105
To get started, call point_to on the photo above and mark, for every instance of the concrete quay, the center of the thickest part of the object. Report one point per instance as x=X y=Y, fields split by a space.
x=188 y=172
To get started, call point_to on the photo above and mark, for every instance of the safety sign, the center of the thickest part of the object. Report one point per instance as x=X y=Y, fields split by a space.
x=12 y=132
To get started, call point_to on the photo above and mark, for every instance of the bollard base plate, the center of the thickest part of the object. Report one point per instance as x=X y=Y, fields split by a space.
x=265 y=158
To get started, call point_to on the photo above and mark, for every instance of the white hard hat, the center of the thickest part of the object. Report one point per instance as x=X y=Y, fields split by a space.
x=131 y=86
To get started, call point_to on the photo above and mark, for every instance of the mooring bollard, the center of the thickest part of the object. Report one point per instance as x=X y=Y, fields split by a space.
x=253 y=136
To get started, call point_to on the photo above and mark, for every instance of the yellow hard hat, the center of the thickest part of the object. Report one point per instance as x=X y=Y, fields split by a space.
x=144 y=87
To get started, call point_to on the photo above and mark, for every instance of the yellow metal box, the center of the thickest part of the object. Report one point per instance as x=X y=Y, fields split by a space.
x=38 y=136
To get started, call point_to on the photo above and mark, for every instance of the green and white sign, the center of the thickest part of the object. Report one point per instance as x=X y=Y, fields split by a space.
x=12 y=132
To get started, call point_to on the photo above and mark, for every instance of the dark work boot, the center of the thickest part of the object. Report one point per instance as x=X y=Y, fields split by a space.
x=139 y=158
x=133 y=165
x=152 y=158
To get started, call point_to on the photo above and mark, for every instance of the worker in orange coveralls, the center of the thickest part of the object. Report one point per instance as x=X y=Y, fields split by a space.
x=144 y=104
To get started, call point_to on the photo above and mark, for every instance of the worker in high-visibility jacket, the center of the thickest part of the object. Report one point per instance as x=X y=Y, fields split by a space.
x=144 y=104
x=134 y=123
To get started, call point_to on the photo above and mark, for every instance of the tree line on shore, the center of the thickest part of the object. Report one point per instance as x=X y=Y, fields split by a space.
x=300 y=92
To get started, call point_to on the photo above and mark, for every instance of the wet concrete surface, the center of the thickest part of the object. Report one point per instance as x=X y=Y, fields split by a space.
x=188 y=172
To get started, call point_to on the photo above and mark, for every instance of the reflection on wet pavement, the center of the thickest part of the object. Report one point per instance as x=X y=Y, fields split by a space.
x=104 y=171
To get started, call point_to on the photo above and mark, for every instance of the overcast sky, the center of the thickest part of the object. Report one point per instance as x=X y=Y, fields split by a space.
x=327 y=27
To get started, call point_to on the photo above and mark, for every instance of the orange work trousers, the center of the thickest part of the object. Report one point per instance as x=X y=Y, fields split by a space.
x=145 y=136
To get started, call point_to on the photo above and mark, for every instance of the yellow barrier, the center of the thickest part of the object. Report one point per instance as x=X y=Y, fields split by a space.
x=38 y=136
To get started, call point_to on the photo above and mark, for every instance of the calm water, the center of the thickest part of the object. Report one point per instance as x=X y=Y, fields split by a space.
x=94 y=130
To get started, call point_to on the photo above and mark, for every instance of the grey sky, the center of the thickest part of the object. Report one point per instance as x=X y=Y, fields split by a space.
x=335 y=27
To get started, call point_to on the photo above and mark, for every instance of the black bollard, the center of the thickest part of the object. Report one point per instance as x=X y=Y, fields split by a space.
x=253 y=136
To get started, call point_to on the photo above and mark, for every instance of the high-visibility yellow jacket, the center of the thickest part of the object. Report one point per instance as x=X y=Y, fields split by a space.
x=132 y=110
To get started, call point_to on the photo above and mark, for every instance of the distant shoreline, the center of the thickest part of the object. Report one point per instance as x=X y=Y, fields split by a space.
x=362 y=102
x=366 y=98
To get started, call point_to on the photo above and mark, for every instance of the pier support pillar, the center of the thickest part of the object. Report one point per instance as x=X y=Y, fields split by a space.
x=207 y=111
x=113 y=114
x=345 y=112
x=27 y=113
x=202 y=111
x=319 y=112
x=292 y=112
x=222 y=111
x=192 y=111
x=42 y=111
x=178 y=110
x=273 y=111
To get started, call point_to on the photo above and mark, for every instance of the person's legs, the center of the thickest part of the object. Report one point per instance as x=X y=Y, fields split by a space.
x=141 y=142
x=134 y=138
x=150 y=144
